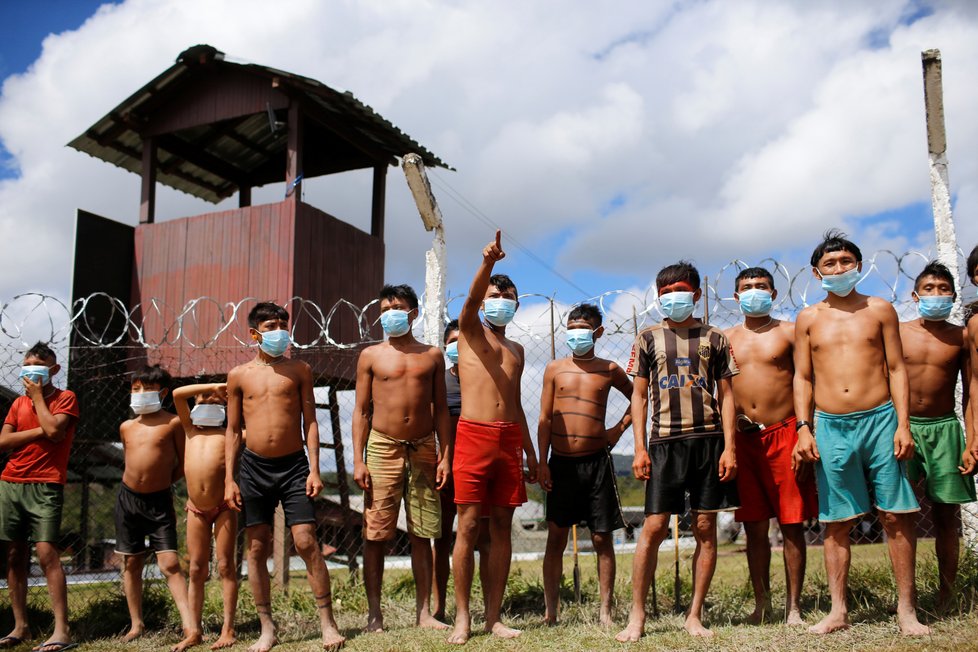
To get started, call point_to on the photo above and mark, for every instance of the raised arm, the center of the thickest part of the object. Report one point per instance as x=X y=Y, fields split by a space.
x=182 y=394
x=310 y=428
x=804 y=388
x=468 y=319
x=642 y=464
x=232 y=442
x=443 y=422
x=543 y=426
x=361 y=418
x=621 y=382
x=53 y=426
x=899 y=384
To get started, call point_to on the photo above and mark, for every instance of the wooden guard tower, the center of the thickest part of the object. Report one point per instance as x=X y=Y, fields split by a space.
x=212 y=128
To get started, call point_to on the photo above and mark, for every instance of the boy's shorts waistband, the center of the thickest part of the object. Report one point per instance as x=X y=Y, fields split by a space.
x=855 y=415
x=274 y=460
x=934 y=420
x=151 y=494
x=489 y=424
x=588 y=457
x=378 y=436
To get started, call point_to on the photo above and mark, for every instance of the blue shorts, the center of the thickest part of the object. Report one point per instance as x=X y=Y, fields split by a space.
x=856 y=450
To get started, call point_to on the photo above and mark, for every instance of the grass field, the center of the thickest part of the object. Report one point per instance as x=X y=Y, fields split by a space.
x=872 y=597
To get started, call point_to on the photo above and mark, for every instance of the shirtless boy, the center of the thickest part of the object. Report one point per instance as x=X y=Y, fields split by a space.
x=400 y=405
x=688 y=366
x=849 y=367
x=154 y=448
x=206 y=509
x=37 y=434
x=273 y=395
x=766 y=438
x=579 y=478
x=442 y=548
x=491 y=439
x=936 y=354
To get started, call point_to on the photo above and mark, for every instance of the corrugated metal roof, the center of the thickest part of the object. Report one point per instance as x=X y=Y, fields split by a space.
x=211 y=161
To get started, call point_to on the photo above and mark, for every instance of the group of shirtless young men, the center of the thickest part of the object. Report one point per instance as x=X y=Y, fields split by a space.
x=755 y=433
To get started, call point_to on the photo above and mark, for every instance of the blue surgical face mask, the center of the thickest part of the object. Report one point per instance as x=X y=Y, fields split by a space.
x=208 y=415
x=677 y=306
x=756 y=303
x=499 y=312
x=38 y=373
x=274 y=343
x=145 y=402
x=394 y=322
x=841 y=284
x=580 y=340
x=451 y=350
x=935 y=308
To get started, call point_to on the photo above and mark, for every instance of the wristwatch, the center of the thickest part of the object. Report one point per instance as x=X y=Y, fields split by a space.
x=804 y=424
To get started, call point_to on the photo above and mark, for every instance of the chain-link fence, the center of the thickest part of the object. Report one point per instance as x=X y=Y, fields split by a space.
x=100 y=342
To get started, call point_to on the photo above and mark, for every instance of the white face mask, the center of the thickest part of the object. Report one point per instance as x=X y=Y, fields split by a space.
x=144 y=402
x=207 y=415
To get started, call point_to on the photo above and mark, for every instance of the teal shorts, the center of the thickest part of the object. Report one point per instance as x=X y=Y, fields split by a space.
x=856 y=450
x=30 y=511
x=938 y=445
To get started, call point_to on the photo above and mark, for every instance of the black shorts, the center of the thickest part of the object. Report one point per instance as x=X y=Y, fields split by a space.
x=266 y=481
x=584 y=491
x=141 y=516
x=688 y=465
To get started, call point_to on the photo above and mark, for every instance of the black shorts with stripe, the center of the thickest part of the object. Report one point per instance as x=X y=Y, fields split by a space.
x=584 y=491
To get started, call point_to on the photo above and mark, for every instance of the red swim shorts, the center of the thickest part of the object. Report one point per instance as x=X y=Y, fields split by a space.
x=766 y=484
x=489 y=464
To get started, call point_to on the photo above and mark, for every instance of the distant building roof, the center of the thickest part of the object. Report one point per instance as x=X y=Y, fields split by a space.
x=220 y=147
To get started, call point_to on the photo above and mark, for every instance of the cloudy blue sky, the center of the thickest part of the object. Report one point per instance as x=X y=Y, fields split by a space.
x=607 y=139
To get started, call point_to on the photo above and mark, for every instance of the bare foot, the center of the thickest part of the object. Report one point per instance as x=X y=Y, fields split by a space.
x=264 y=643
x=430 y=622
x=831 y=623
x=375 y=625
x=332 y=639
x=910 y=626
x=193 y=638
x=695 y=627
x=549 y=621
x=500 y=630
x=758 y=616
x=794 y=618
x=134 y=632
x=632 y=632
x=226 y=639
x=605 y=618
x=460 y=635
x=439 y=615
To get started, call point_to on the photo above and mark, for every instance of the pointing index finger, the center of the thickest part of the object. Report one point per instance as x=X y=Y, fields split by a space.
x=498 y=236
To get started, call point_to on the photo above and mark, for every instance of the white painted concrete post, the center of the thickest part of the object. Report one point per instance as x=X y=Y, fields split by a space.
x=434 y=273
x=946 y=240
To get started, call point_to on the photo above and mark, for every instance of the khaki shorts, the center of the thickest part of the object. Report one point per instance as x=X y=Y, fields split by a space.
x=401 y=468
x=30 y=511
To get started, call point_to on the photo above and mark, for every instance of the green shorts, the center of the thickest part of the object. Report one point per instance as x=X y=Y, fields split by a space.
x=31 y=511
x=939 y=443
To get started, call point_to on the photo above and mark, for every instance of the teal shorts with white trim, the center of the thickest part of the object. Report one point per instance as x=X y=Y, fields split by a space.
x=856 y=450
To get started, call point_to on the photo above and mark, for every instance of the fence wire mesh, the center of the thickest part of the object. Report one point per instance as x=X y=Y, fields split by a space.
x=100 y=341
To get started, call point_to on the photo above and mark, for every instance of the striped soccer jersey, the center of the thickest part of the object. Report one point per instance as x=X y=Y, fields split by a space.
x=683 y=366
